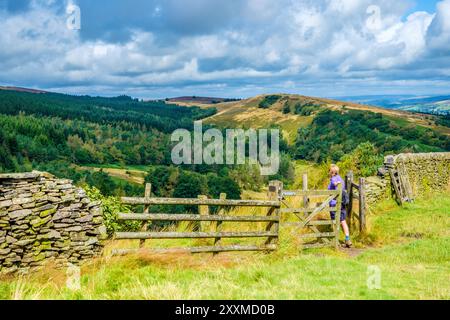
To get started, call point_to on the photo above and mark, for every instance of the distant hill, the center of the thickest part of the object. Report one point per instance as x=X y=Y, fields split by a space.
x=19 y=89
x=292 y=112
x=199 y=100
x=427 y=104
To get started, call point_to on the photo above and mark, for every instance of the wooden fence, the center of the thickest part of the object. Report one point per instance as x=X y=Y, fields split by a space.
x=361 y=195
x=270 y=233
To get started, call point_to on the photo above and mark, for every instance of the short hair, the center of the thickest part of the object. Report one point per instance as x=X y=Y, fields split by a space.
x=334 y=169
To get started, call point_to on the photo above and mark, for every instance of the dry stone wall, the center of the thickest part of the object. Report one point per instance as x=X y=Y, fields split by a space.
x=377 y=188
x=43 y=218
x=426 y=172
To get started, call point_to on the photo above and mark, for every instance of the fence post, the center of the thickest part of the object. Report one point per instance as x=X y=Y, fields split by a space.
x=147 y=194
x=275 y=188
x=337 y=215
x=223 y=196
x=349 y=189
x=203 y=210
x=274 y=194
x=305 y=188
x=362 y=206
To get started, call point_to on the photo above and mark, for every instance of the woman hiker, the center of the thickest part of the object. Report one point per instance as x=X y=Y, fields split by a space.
x=334 y=182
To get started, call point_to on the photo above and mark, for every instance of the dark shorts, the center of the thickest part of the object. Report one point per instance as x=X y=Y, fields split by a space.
x=343 y=215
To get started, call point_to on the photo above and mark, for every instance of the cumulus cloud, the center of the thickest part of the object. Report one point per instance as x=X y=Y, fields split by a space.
x=233 y=48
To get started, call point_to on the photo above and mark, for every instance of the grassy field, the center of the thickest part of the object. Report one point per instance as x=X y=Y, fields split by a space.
x=133 y=174
x=410 y=246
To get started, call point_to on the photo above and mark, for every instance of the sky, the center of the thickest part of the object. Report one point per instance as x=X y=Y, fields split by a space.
x=229 y=48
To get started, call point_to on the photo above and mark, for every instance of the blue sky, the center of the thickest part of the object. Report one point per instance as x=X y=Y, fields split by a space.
x=232 y=48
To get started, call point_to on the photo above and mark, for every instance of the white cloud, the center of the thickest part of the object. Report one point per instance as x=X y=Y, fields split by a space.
x=291 y=43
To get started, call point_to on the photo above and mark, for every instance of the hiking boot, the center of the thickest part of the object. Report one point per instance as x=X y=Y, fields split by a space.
x=348 y=243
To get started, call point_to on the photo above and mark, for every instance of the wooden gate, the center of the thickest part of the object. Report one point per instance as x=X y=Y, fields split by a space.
x=270 y=233
x=354 y=191
x=307 y=211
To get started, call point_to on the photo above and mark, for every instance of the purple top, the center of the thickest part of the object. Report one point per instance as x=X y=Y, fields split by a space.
x=333 y=186
x=334 y=181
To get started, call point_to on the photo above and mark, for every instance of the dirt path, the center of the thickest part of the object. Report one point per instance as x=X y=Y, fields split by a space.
x=352 y=252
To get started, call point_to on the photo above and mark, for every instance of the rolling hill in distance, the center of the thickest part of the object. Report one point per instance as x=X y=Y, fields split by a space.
x=292 y=112
x=426 y=104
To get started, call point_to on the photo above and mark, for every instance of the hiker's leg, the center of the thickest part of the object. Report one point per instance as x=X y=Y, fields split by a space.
x=345 y=228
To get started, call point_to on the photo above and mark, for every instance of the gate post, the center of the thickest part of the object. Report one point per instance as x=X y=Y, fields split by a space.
x=203 y=210
x=218 y=228
x=275 y=189
x=305 y=188
x=337 y=216
x=349 y=189
x=362 y=206
x=274 y=194
x=147 y=194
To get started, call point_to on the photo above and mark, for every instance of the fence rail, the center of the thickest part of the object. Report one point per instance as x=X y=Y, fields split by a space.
x=193 y=217
x=202 y=249
x=206 y=202
x=193 y=235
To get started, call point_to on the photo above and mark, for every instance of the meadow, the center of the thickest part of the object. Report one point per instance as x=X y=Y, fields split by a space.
x=410 y=246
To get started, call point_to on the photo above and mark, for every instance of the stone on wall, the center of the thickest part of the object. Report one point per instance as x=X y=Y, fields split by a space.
x=376 y=188
x=43 y=218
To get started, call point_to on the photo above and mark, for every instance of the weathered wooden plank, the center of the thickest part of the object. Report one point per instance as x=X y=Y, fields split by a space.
x=318 y=209
x=316 y=245
x=321 y=223
x=311 y=223
x=395 y=182
x=362 y=206
x=218 y=225
x=147 y=193
x=309 y=193
x=207 y=202
x=202 y=249
x=275 y=188
x=356 y=186
x=304 y=210
x=317 y=235
x=203 y=211
x=337 y=216
x=193 y=235
x=349 y=189
x=193 y=217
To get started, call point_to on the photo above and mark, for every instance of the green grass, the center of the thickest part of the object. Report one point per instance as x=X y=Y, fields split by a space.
x=144 y=168
x=411 y=247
